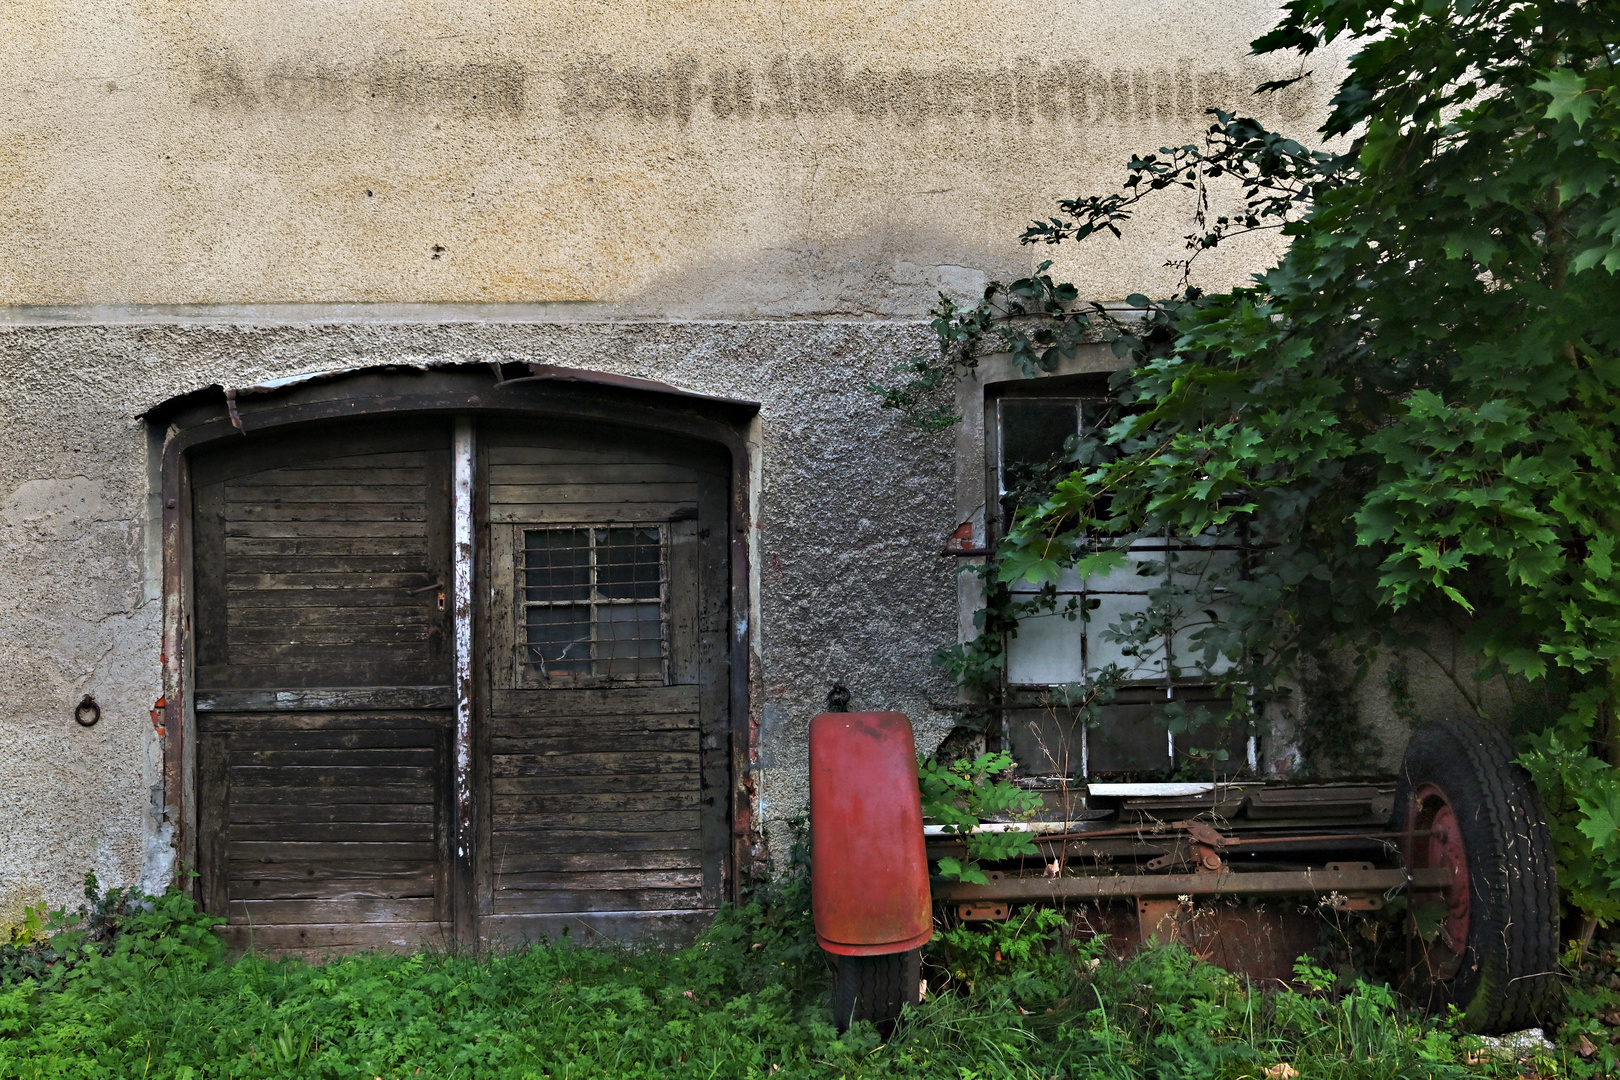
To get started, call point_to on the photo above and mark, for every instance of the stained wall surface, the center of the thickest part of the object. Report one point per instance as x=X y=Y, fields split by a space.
x=719 y=157
x=758 y=200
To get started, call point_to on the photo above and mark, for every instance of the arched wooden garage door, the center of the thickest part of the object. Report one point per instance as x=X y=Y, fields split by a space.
x=355 y=787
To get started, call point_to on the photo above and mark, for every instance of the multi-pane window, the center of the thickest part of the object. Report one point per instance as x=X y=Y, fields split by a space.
x=1036 y=441
x=593 y=602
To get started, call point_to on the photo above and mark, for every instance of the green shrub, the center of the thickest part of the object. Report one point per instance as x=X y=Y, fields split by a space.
x=151 y=995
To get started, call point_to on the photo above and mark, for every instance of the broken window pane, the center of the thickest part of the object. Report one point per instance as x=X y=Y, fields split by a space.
x=559 y=638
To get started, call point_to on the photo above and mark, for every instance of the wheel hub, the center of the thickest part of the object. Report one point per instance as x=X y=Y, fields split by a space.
x=1441 y=849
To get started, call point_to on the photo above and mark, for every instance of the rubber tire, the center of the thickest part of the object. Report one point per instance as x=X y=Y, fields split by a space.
x=1507 y=979
x=875 y=988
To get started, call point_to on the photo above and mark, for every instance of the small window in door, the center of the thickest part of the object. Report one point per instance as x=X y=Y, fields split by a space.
x=592 y=603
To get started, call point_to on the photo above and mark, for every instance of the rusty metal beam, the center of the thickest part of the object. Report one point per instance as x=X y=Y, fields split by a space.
x=1229 y=883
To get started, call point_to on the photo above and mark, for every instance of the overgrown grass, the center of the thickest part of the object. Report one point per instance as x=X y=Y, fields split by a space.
x=750 y=1000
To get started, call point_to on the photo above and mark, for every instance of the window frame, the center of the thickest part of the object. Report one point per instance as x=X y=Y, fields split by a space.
x=679 y=604
x=1166 y=682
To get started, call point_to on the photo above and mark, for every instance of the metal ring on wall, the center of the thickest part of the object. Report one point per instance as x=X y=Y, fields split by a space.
x=87 y=712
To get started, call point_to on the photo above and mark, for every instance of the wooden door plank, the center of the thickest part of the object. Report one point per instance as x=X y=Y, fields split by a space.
x=358 y=567
x=524 y=902
x=290 y=676
x=333 y=912
x=247 y=814
x=541 y=862
x=504 y=475
x=523 y=728
x=398 y=600
x=259 y=619
x=511 y=808
x=322 y=707
x=337 y=794
x=306 y=512
x=504 y=452
x=309 y=530
x=362 y=736
x=379 y=654
x=313 y=942
x=415 y=474
x=596 y=701
x=538 y=494
x=559 y=841
x=576 y=881
x=252 y=882
x=348 y=853
x=349 y=447
x=365 y=487
x=594 y=784
x=305 y=634
x=315 y=580
x=325 y=881
x=576 y=764
x=353 y=547
x=649 y=821
x=332 y=832
x=209 y=561
x=626 y=739
x=246 y=776
x=213 y=821
x=610 y=513
x=331 y=757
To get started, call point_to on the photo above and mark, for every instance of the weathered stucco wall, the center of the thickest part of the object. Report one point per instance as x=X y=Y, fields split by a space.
x=848 y=531
x=728 y=157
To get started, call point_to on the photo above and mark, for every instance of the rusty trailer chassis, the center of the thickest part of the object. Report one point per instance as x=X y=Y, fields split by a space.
x=1342 y=885
x=1253 y=875
x=1333 y=879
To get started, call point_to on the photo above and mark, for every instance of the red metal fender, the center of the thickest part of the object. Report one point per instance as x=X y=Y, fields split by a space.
x=868 y=868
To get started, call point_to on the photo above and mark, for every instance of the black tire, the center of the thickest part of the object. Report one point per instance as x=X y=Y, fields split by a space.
x=875 y=988
x=1501 y=971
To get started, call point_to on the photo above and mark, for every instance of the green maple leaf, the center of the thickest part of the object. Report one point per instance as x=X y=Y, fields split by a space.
x=1569 y=96
x=1602 y=824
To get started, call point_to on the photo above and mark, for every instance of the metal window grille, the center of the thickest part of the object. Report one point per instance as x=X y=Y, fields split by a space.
x=594 y=602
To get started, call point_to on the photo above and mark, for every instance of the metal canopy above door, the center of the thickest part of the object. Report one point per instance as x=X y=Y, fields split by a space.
x=461 y=677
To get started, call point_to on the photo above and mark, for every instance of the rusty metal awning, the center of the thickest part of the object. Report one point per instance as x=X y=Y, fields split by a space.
x=505 y=373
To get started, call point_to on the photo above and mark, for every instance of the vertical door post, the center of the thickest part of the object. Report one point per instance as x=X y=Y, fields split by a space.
x=461 y=591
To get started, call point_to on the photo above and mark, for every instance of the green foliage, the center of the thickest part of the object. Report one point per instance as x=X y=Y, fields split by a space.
x=116 y=934
x=1582 y=794
x=1413 y=418
x=1024 y=958
x=1590 y=1032
x=961 y=795
x=1020 y=1000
